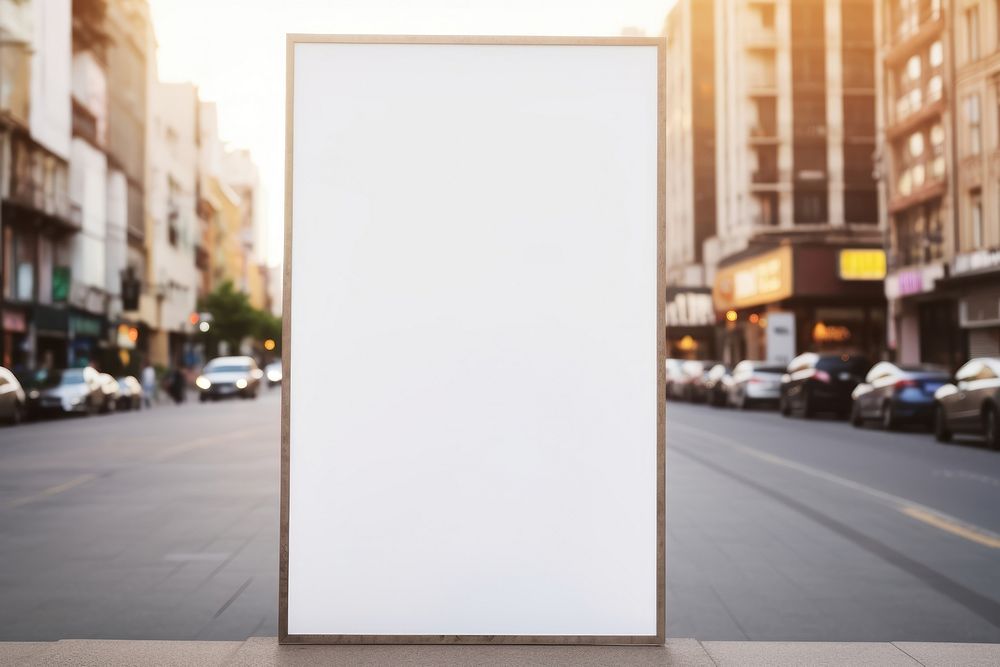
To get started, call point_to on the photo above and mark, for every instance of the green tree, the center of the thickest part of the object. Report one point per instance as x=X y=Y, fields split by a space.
x=234 y=319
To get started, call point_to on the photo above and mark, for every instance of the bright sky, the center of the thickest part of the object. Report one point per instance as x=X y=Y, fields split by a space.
x=234 y=50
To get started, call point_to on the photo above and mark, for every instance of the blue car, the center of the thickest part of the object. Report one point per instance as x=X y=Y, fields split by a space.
x=895 y=395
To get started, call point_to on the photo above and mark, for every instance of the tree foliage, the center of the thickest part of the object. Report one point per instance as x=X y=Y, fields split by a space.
x=234 y=319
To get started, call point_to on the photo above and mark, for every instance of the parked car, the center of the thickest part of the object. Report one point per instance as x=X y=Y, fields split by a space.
x=72 y=390
x=687 y=382
x=111 y=391
x=130 y=397
x=718 y=382
x=970 y=404
x=698 y=390
x=12 y=398
x=224 y=377
x=674 y=375
x=273 y=373
x=820 y=383
x=755 y=382
x=896 y=395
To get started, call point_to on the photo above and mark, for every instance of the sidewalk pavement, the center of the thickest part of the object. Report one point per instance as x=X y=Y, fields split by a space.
x=263 y=651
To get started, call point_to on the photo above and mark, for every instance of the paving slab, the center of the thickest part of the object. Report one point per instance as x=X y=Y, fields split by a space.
x=815 y=654
x=119 y=653
x=17 y=653
x=932 y=654
x=265 y=652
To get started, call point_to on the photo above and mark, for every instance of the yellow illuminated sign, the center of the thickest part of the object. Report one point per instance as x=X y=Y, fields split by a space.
x=857 y=264
x=763 y=279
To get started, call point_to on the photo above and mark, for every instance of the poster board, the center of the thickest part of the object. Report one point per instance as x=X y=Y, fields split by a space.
x=473 y=346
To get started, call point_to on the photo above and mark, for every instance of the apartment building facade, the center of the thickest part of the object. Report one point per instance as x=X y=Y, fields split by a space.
x=796 y=230
x=689 y=35
x=939 y=113
x=974 y=270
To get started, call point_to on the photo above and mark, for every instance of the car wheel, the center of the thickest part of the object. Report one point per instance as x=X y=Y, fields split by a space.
x=857 y=421
x=17 y=415
x=941 y=432
x=784 y=407
x=991 y=427
x=202 y=398
x=808 y=409
x=889 y=422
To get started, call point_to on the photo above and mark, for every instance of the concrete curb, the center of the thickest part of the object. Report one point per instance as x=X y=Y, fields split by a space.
x=265 y=651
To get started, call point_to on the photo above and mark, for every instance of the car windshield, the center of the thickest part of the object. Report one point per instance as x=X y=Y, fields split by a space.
x=47 y=379
x=843 y=363
x=228 y=368
x=770 y=369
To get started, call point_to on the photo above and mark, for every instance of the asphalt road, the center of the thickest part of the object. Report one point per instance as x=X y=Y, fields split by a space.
x=162 y=524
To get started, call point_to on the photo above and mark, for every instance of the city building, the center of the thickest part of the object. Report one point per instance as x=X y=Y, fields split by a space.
x=973 y=276
x=130 y=44
x=689 y=35
x=175 y=232
x=37 y=218
x=795 y=228
x=90 y=294
x=917 y=169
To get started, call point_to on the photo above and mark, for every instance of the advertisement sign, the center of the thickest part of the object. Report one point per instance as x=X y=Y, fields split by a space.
x=780 y=337
x=765 y=278
x=473 y=408
x=862 y=264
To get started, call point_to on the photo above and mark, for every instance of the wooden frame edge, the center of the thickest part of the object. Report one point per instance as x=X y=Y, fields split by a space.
x=659 y=639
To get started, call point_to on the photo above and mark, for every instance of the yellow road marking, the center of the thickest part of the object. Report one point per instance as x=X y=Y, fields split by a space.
x=951 y=526
x=51 y=491
x=912 y=509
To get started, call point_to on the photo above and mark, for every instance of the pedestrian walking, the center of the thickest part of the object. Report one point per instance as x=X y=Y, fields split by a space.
x=148 y=384
x=176 y=384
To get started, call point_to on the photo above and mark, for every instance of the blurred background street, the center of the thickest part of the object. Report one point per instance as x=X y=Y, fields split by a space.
x=163 y=524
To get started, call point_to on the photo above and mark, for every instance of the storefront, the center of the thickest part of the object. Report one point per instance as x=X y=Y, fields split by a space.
x=87 y=338
x=923 y=323
x=14 y=335
x=691 y=320
x=975 y=277
x=780 y=301
x=51 y=336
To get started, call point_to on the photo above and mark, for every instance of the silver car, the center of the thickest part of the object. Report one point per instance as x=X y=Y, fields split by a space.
x=971 y=404
x=755 y=382
x=12 y=397
x=61 y=391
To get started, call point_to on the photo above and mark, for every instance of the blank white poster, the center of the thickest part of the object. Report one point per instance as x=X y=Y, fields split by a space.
x=473 y=378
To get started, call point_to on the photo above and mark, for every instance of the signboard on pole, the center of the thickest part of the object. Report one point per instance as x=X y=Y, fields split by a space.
x=473 y=408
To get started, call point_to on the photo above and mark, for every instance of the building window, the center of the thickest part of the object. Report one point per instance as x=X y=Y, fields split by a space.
x=976 y=217
x=810 y=206
x=919 y=238
x=974 y=124
x=972 y=32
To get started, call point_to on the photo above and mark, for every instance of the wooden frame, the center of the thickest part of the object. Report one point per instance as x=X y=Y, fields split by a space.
x=660 y=637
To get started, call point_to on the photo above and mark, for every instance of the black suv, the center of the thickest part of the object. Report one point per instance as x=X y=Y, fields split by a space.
x=821 y=383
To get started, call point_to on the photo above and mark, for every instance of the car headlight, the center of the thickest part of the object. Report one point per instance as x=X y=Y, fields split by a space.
x=33 y=393
x=274 y=376
x=241 y=384
x=203 y=382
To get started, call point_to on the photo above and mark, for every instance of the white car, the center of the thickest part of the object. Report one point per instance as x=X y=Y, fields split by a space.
x=755 y=382
x=226 y=377
x=273 y=373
